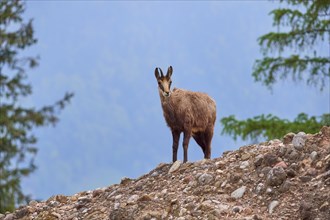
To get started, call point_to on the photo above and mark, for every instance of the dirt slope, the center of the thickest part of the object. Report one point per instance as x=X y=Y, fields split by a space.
x=288 y=179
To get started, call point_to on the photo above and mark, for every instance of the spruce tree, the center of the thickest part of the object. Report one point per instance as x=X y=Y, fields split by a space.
x=17 y=142
x=293 y=51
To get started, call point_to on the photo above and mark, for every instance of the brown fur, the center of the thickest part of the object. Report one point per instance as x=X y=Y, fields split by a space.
x=193 y=113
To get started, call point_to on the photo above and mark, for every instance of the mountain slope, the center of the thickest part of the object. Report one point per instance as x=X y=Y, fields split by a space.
x=287 y=179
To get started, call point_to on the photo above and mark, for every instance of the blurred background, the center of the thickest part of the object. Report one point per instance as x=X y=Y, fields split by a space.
x=106 y=52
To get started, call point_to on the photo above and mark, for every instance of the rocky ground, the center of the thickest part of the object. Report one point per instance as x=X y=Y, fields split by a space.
x=288 y=179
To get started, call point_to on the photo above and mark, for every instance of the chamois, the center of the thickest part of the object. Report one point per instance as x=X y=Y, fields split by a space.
x=193 y=113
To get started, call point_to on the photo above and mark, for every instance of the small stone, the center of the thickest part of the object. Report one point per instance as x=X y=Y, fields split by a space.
x=222 y=208
x=282 y=150
x=285 y=186
x=287 y=139
x=291 y=173
x=175 y=166
x=266 y=170
x=270 y=159
x=324 y=206
x=260 y=188
x=116 y=205
x=57 y=215
x=258 y=160
x=281 y=164
x=205 y=178
x=132 y=199
x=9 y=217
x=305 y=179
x=313 y=155
x=245 y=156
x=294 y=155
x=97 y=192
x=298 y=141
x=145 y=198
x=118 y=197
x=312 y=172
x=319 y=165
x=244 y=164
x=125 y=181
x=269 y=191
x=237 y=209
x=238 y=193
x=61 y=198
x=276 y=176
x=305 y=210
x=33 y=203
x=272 y=205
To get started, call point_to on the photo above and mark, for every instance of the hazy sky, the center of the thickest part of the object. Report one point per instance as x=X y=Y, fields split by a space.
x=106 y=52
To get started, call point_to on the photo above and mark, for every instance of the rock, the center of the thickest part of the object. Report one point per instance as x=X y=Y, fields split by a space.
x=244 y=164
x=132 y=199
x=276 y=176
x=305 y=179
x=258 y=160
x=125 y=180
x=61 y=198
x=245 y=156
x=223 y=208
x=293 y=155
x=305 y=211
x=33 y=203
x=319 y=165
x=272 y=205
x=237 y=209
x=290 y=173
x=287 y=139
x=175 y=166
x=285 y=186
x=9 y=217
x=57 y=215
x=325 y=206
x=281 y=164
x=298 y=141
x=313 y=155
x=238 y=193
x=210 y=189
x=205 y=178
x=260 y=188
x=325 y=130
x=270 y=159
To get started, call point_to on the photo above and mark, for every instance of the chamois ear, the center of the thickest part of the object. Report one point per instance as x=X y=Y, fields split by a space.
x=169 y=72
x=156 y=73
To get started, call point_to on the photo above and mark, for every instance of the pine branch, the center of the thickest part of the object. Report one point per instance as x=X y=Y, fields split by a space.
x=269 y=69
x=271 y=127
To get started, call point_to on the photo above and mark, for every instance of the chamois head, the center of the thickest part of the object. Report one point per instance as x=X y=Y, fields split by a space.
x=164 y=82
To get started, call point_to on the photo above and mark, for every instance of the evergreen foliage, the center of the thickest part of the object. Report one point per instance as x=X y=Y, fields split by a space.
x=17 y=142
x=309 y=24
x=302 y=27
x=271 y=127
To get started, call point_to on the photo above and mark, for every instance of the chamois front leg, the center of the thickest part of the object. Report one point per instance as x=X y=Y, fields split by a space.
x=176 y=138
x=186 y=138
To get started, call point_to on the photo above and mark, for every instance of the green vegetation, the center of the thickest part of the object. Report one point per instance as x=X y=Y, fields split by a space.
x=17 y=142
x=293 y=51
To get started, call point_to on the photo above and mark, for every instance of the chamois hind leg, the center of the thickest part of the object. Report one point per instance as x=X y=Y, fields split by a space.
x=208 y=139
x=200 y=140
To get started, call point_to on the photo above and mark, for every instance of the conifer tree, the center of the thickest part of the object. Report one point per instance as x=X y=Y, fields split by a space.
x=17 y=142
x=299 y=50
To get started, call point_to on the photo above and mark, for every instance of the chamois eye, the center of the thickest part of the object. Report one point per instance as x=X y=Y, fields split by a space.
x=170 y=83
x=159 y=83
